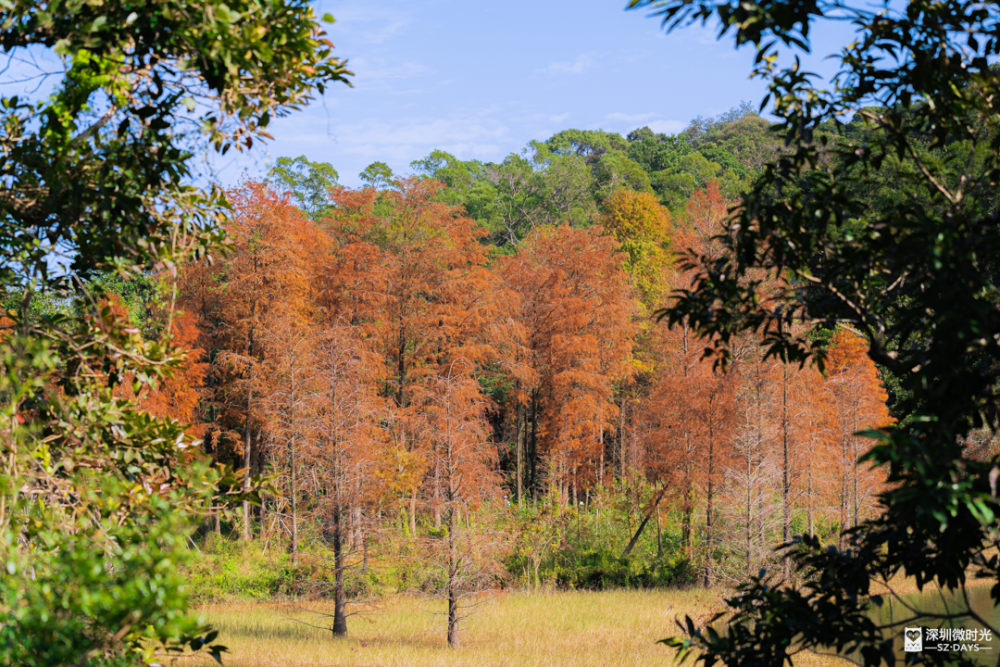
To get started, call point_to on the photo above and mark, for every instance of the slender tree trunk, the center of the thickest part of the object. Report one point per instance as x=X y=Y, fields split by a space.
x=749 y=469
x=687 y=518
x=357 y=522
x=688 y=508
x=246 y=464
x=520 y=453
x=339 y=597
x=600 y=474
x=809 y=505
x=453 y=583
x=843 y=491
x=413 y=512
x=294 y=501
x=246 y=434
x=533 y=459
x=749 y=516
x=642 y=526
x=786 y=484
x=364 y=554
x=453 y=636
x=854 y=467
x=437 y=493
x=709 y=525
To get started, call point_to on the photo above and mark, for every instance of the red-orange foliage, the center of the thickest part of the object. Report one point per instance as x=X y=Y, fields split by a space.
x=858 y=402
x=266 y=277
x=689 y=414
x=578 y=309
x=411 y=272
x=178 y=395
x=393 y=365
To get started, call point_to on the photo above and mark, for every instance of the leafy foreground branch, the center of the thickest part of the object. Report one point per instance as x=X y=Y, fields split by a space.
x=96 y=496
x=881 y=215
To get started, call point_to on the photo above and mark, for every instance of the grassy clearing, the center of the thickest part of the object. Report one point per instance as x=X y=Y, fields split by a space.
x=572 y=629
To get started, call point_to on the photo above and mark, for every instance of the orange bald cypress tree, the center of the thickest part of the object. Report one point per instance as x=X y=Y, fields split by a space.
x=265 y=277
x=815 y=431
x=288 y=407
x=695 y=402
x=452 y=410
x=348 y=436
x=578 y=309
x=859 y=402
x=690 y=411
x=412 y=271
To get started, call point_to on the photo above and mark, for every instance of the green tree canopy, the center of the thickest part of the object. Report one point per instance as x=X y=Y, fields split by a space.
x=590 y=144
x=377 y=175
x=309 y=182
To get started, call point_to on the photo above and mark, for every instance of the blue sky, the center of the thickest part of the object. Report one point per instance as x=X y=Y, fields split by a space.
x=481 y=80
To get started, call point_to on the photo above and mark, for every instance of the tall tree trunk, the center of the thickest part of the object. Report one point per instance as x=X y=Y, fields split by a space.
x=854 y=467
x=843 y=492
x=294 y=501
x=357 y=522
x=437 y=493
x=453 y=583
x=533 y=458
x=688 y=505
x=246 y=464
x=339 y=597
x=688 y=474
x=809 y=505
x=520 y=453
x=246 y=433
x=659 y=534
x=786 y=484
x=749 y=517
x=709 y=525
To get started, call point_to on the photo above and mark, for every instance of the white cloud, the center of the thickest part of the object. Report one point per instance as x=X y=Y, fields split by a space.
x=650 y=119
x=559 y=119
x=631 y=117
x=475 y=136
x=380 y=74
x=371 y=25
x=582 y=63
x=667 y=126
x=385 y=32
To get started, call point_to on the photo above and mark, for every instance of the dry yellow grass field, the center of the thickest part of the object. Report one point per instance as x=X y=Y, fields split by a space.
x=552 y=629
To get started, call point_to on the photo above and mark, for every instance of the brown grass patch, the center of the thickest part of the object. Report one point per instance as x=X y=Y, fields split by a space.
x=572 y=629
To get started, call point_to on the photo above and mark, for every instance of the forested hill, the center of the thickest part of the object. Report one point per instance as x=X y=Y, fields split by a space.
x=565 y=178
